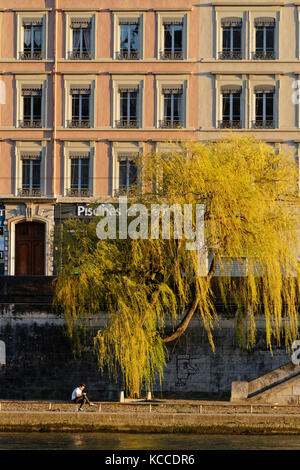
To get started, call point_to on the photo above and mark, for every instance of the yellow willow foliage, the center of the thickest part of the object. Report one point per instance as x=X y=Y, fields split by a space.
x=149 y=288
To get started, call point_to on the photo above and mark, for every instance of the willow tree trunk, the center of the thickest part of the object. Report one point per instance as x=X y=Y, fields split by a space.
x=181 y=328
x=135 y=386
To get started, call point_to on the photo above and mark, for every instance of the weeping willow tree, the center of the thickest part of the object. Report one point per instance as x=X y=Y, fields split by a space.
x=151 y=288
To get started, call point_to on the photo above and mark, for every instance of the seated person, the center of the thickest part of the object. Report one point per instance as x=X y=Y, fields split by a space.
x=80 y=397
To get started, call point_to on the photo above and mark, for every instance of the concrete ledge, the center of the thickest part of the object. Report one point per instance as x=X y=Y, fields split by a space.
x=147 y=422
x=239 y=391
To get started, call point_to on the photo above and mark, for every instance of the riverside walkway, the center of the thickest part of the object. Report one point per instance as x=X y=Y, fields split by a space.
x=161 y=416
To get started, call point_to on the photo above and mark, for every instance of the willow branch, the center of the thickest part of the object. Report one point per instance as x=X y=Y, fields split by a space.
x=183 y=324
x=181 y=328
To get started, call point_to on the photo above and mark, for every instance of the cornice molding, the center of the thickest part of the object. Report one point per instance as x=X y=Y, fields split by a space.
x=248 y=72
x=251 y=3
x=26 y=10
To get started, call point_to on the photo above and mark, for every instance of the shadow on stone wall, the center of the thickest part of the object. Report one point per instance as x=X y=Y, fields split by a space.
x=40 y=363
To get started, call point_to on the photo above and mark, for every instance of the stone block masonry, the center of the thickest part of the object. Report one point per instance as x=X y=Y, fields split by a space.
x=40 y=363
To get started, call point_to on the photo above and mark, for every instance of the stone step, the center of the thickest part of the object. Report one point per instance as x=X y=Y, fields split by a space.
x=282 y=385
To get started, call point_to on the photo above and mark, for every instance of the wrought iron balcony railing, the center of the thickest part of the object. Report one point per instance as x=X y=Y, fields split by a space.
x=78 y=192
x=128 y=55
x=264 y=55
x=264 y=124
x=128 y=123
x=125 y=190
x=171 y=55
x=31 y=55
x=79 y=123
x=80 y=55
x=31 y=123
x=234 y=124
x=33 y=192
x=230 y=55
x=120 y=191
x=171 y=123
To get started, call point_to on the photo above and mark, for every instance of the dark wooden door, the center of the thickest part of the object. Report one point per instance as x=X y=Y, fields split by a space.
x=30 y=249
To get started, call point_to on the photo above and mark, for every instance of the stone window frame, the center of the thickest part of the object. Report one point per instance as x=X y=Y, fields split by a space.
x=20 y=16
x=264 y=80
x=297 y=157
x=117 y=16
x=160 y=16
x=27 y=147
x=119 y=148
x=76 y=148
x=1 y=14
x=255 y=13
x=226 y=12
x=23 y=80
x=69 y=37
x=227 y=80
x=248 y=13
x=124 y=80
x=298 y=33
x=296 y=97
x=78 y=81
x=173 y=80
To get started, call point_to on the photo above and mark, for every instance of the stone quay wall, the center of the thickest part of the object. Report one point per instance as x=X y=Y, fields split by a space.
x=145 y=422
x=39 y=363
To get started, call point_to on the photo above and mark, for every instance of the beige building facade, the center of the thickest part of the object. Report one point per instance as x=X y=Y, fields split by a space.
x=86 y=86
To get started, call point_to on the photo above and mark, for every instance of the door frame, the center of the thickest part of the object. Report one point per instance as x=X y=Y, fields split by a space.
x=12 y=243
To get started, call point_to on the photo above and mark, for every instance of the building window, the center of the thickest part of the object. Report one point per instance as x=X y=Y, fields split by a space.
x=80 y=36
x=171 y=102
x=125 y=169
x=129 y=39
x=172 y=107
x=172 y=36
x=128 y=36
x=30 y=168
x=127 y=102
x=129 y=97
x=231 y=38
x=127 y=172
x=232 y=267
x=264 y=38
x=79 y=99
x=78 y=169
x=231 y=107
x=33 y=37
x=80 y=176
x=81 y=30
x=264 y=107
x=80 y=107
x=31 y=106
x=172 y=39
x=31 y=175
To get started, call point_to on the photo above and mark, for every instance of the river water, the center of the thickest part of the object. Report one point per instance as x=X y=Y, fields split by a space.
x=124 y=441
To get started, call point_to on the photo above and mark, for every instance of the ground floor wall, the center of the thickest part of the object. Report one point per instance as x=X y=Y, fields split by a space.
x=39 y=363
